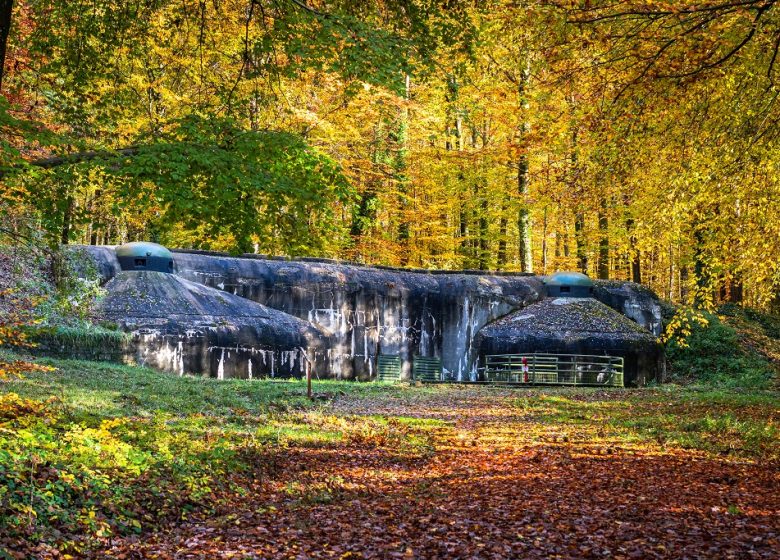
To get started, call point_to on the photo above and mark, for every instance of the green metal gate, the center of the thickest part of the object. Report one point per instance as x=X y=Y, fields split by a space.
x=426 y=369
x=388 y=367
x=554 y=369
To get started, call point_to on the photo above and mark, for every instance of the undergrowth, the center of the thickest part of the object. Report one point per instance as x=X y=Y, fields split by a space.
x=719 y=355
x=96 y=449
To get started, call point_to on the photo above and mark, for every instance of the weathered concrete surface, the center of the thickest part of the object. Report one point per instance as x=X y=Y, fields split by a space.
x=104 y=258
x=577 y=326
x=184 y=327
x=632 y=300
x=375 y=310
x=372 y=311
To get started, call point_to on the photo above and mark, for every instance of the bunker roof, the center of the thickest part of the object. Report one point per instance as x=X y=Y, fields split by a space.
x=562 y=316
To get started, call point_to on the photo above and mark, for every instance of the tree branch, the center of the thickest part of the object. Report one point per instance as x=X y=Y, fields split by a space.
x=76 y=157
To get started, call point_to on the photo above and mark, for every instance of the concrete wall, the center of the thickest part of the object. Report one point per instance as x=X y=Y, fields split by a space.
x=371 y=311
x=375 y=310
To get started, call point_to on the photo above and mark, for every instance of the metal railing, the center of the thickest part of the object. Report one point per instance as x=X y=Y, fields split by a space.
x=554 y=369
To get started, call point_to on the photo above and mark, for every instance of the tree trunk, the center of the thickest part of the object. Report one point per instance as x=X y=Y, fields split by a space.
x=652 y=268
x=635 y=256
x=683 y=283
x=731 y=290
x=636 y=266
x=524 y=214
x=700 y=270
x=401 y=177
x=544 y=242
x=736 y=291
x=484 y=254
x=603 y=271
x=463 y=229
x=670 y=290
x=501 y=256
x=6 y=13
x=579 y=238
x=66 y=218
x=579 y=216
x=454 y=127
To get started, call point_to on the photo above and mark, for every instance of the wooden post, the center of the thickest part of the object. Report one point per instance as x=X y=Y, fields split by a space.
x=308 y=379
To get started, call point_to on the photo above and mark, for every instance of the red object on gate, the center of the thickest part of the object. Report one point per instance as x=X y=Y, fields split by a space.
x=525 y=369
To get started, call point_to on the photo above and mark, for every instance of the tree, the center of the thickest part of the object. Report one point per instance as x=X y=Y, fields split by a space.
x=6 y=12
x=632 y=140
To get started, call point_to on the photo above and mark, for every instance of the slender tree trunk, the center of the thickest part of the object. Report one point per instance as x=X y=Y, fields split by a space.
x=524 y=214
x=683 y=283
x=544 y=241
x=670 y=290
x=636 y=266
x=401 y=176
x=454 y=119
x=579 y=216
x=454 y=135
x=6 y=13
x=501 y=256
x=484 y=254
x=635 y=270
x=464 y=219
x=579 y=238
x=66 y=219
x=655 y=272
x=736 y=290
x=700 y=269
x=603 y=271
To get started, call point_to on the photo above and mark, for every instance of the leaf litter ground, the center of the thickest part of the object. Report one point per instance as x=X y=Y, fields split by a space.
x=492 y=474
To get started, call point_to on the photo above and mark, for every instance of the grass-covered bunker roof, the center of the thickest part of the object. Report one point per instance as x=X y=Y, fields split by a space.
x=575 y=326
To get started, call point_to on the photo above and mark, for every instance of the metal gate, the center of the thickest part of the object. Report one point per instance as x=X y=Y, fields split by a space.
x=426 y=369
x=388 y=367
x=554 y=369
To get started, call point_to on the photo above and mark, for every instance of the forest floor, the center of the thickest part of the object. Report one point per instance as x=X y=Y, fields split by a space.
x=127 y=463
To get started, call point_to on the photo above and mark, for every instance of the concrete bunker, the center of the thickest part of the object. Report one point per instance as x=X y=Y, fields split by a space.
x=184 y=327
x=369 y=322
x=569 y=338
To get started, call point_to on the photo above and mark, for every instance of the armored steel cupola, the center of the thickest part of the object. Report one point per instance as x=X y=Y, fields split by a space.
x=141 y=255
x=569 y=284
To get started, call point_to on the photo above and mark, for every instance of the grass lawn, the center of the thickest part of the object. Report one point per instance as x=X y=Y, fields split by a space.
x=100 y=460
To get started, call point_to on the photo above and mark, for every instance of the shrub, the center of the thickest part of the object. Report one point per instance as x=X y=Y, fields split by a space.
x=713 y=353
